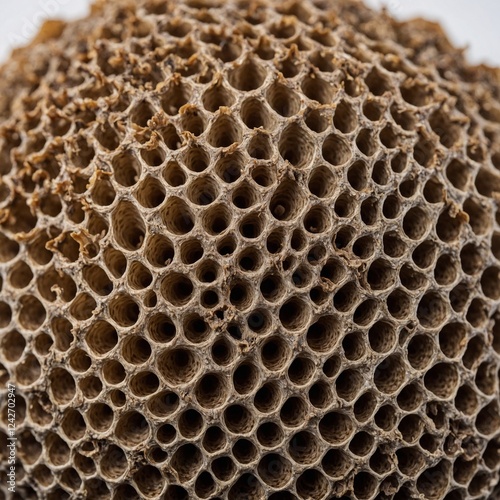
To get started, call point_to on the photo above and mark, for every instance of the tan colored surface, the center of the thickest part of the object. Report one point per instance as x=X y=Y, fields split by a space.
x=250 y=253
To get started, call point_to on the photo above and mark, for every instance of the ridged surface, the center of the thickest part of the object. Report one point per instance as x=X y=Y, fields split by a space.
x=250 y=252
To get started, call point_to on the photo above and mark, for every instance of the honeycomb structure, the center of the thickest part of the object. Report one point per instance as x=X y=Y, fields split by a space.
x=249 y=250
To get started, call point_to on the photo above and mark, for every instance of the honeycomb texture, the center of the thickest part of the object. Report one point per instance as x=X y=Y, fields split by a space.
x=250 y=251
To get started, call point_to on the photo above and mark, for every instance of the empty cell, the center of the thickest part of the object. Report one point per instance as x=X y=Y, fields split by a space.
x=248 y=75
x=268 y=397
x=445 y=270
x=177 y=216
x=488 y=419
x=458 y=174
x=486 y=378
x=123 y=310
x=224 y=132
x=381 y=275
x=487 y=182
x=296 y=146
x=320 y=395
x=244 y=451
x=247 y=486
x=304 y=448
x=209 y=299
x=222 y=351
x=275 y=470
x=477 y=314
x=410 y=461
x=283 y=99
x=251 y=226
x=20 y=274
x=175 y=96
x=100 y=417
x=190 y=423
x=479 y=216
x=345 y=118
x=294 y=411
x=369 y=211
x=452 y=339
x=294 y=314
x=216 y=219
x=490 y=282
x=73 y=425
x=270 y=434
x=163 y=404
x=259 y=321
x=416 y=223
x=312 y=484
x=336 y=150
x=434 y=481
x=274 y=354
x=161 y=328
x=357 y=175
x=132 y=429
x=31 y=315
x=246 y=377
x=420 y=351
x=317 y=89
x=317 y=220
x=335 y=427
x=399 y=304
x=263 y=176
x=240 y=295
x=442 y=380
x=90 y=386
x=424 y=151
x=212 y=390
x=361 y=444
x=207 y=271
x=390 y=374
x=317 y=120
x=223 y=468
x=174 y=174
x=365 y=406
x=113 y=372
x=113 y=463
x=187 y=461
x=391 y=207
x=286 y=201
x=323 y=334
x=347 y=297
x=366 y=142
x=101 y=337
x=348 y=384
x=301 y=370
x=448 y=227
x=144 y=383
x=393 y=245
x=230 y=166
x=128 y=226
x=214 y=440
x=244 y=196
x=177 y=289
x=238 y=419
x=432 y=310
x=255 y=114
x=389 y=137
x=13 y=345
x=410 y=397
x=217 y=96
x=178 y=366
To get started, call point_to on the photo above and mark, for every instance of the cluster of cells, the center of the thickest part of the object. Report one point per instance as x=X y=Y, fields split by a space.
x=249 y=252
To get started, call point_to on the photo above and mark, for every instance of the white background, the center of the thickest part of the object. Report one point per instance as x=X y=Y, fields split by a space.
x=469 y=23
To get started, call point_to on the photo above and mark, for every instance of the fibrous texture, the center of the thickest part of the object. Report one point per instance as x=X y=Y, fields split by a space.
x=250 y=251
